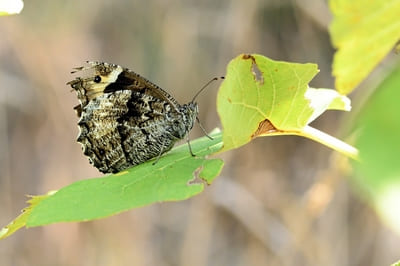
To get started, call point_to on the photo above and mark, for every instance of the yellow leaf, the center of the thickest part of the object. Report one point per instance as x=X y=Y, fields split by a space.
x=364 y=32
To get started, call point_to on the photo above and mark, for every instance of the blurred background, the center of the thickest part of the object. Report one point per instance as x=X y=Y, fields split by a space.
x=279 y=200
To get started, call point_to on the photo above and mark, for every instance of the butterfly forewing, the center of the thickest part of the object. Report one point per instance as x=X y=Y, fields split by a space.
x=125 y=119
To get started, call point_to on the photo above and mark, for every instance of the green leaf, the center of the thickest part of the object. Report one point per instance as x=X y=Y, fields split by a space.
x=378 y=173
x=363 y=32
x=176 y=176
x=261 y=97
x=396 y=264
x=10 y=7
x=20 y=221
x=168 y=180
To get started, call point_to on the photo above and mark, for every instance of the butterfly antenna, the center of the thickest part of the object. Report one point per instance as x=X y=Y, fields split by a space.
x=194 y=98
x=205 y=86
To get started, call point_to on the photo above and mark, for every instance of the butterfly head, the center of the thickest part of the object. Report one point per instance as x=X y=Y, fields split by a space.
x=190 y=112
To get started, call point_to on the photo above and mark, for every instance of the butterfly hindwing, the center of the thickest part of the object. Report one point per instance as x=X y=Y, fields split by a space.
x=125 y=119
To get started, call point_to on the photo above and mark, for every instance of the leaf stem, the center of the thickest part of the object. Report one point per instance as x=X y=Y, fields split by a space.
x=321 y=137
x=331 y=142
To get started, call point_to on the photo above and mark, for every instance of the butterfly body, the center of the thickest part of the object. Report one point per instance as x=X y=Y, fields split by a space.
x=125 y=119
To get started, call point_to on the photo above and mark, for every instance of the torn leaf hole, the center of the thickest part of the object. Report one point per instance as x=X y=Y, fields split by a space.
x=257 y=73
x=196 y=177
x=254 y=68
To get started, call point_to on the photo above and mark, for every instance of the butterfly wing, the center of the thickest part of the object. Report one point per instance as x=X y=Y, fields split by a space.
x=108 y=78
x=124 y=118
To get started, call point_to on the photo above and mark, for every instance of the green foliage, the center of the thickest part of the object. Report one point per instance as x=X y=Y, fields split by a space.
x=364 y=32
x=263 y=97
x=379 y=144
x=396 y=264
x=20 y=221
x=278 y=101
x=245 y=99
x=260 y=97
x=172 y=178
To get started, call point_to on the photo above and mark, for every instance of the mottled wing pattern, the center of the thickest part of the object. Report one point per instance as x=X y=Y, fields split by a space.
x=125 y=119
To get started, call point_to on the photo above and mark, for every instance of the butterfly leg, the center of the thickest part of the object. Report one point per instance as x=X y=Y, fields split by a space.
x=190 y=147
x=202 y=128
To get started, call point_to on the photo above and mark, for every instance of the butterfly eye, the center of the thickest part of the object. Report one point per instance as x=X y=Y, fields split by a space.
x=97 y=79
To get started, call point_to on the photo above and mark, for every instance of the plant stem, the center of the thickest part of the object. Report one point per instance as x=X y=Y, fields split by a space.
x=331 y=142
x=323 y=138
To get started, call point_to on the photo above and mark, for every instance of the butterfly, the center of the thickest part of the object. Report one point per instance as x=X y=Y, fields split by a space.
x=124 y=119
